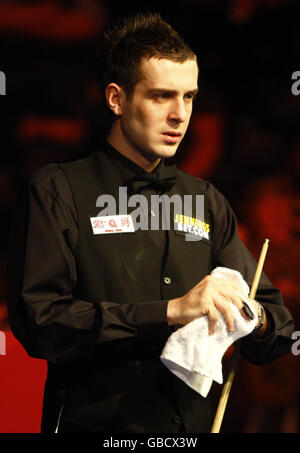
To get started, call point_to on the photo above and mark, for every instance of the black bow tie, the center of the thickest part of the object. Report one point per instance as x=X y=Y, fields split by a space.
x=164 y=178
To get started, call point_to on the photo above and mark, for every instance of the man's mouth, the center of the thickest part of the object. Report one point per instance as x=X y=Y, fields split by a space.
x=172 y=136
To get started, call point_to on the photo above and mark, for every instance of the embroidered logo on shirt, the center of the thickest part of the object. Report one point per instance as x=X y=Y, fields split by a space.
x=112 y=224
x=192 y=225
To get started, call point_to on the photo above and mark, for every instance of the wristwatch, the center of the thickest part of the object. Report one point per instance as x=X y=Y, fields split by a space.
x=261 y=317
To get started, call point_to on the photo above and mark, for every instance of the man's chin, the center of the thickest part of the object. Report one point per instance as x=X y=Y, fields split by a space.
x=154 y=155
x=169 y=151
x=164 y=152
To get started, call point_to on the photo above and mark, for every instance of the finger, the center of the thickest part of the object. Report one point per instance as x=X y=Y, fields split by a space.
x=246 y=311
x=225 y=307
x=233 y=296
x=213 y=318
x=227 y=288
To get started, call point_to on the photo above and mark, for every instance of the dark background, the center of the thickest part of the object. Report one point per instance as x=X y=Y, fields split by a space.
x=244 y=137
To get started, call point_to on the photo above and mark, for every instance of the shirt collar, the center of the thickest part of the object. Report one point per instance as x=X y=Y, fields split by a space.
x=126 y=167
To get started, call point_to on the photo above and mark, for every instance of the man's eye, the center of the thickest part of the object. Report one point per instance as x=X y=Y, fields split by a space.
x=189 y=97
x=162 y=96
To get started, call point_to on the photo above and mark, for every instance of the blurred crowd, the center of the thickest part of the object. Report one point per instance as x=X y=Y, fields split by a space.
x=244 y=136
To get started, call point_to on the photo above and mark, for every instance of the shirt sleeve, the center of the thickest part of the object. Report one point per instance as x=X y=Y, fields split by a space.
x=229 y=251
x=44 y=315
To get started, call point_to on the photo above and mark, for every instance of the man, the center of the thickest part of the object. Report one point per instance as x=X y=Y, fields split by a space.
x=100 y=307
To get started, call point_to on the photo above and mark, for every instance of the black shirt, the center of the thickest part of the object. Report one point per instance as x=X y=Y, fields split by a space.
x=53 y=323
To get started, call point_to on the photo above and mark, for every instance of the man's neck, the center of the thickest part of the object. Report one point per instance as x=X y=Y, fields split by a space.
x=115 y=139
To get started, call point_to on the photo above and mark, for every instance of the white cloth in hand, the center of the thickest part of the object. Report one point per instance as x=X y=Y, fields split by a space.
x=195 y=356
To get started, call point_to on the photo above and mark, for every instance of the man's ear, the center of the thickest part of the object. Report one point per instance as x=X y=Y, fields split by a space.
x=115 y=97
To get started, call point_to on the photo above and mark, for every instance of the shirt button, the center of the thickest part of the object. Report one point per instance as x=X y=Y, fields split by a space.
x=167 y=280
x=176 y=419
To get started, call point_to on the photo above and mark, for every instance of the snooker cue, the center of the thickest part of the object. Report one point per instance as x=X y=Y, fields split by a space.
x=227 y=385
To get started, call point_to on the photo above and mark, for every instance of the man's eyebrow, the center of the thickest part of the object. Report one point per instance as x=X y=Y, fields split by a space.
x=169 y=91
x=193 y=92
x=161 y=90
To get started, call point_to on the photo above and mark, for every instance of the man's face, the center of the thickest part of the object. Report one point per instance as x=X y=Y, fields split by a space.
x=154 y=120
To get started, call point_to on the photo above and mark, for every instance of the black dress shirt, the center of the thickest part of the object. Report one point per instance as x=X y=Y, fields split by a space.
x=54 y=323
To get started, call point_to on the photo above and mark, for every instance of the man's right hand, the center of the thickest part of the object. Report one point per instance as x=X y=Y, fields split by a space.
x=211 y=297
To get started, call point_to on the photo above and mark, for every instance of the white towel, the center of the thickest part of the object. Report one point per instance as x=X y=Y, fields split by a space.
x=195 y=356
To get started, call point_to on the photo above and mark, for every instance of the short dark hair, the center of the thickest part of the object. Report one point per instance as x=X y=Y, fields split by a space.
x=144 y=35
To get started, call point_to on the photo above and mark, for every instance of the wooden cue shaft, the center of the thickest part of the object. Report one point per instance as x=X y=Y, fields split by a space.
x=259 y=268
x=228 y=383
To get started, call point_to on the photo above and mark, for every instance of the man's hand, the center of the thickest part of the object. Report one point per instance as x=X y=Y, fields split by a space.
x=211 y=297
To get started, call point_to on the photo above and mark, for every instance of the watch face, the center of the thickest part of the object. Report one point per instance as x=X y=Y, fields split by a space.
x=260 y=315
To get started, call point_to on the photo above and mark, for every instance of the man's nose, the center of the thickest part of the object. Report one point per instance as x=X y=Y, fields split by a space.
x=178 y=111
